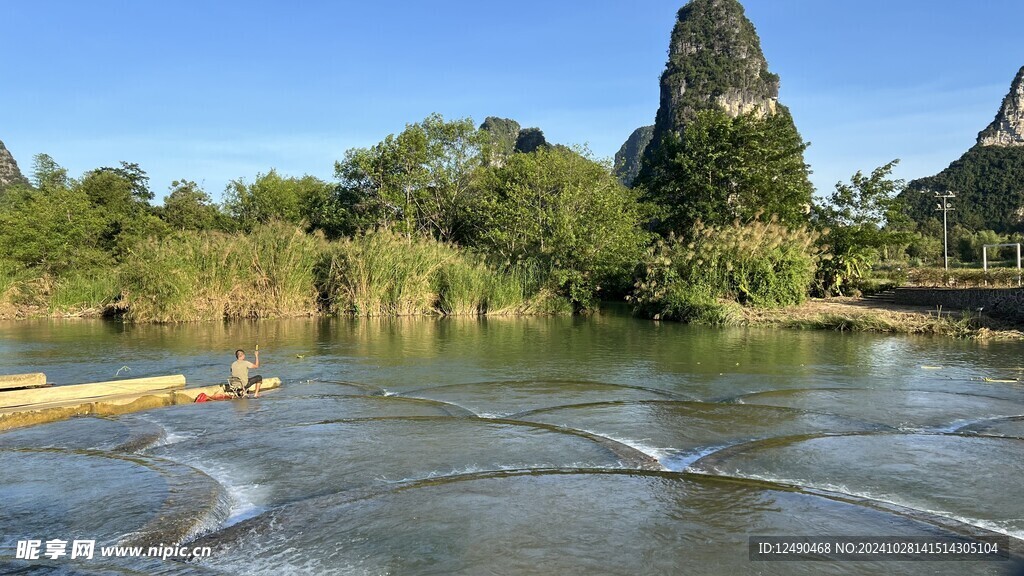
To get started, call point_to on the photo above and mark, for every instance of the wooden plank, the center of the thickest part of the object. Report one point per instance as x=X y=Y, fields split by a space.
x=16 y=417
x=13 y=398
x=9 y=381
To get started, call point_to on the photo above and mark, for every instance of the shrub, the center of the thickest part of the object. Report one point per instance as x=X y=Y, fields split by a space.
x=964 y=277
x=761 y=264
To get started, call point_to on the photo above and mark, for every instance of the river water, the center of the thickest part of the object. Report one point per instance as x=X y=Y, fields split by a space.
x=601 y=445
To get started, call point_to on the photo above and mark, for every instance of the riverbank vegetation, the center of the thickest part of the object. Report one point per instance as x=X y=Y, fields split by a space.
x=445 y=218
x=434 y=220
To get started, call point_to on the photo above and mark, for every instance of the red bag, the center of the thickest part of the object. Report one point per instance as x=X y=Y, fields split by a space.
x=202 y=397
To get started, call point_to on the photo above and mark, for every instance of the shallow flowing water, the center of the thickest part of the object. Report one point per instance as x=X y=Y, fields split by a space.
x=516 y=446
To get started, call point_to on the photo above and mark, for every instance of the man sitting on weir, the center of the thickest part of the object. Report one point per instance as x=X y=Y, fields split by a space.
x=240 y=370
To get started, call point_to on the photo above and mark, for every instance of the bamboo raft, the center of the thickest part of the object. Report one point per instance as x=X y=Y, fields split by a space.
x=26 y=399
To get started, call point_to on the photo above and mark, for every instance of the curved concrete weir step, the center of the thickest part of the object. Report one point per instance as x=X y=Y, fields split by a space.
x=944 y=474
x=113 y=498
x=265 y=464
x=125 y=434
x=560 y=522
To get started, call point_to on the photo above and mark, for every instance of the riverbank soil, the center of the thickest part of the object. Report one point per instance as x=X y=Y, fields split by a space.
x=863 y=315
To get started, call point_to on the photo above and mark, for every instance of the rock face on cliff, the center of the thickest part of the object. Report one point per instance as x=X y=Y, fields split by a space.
x=629 y=158
x=987 y=179
x=507 y=137
x=1008 y=127
x=504 y=132
x=9 y=172
x=531 y=140
x=715 y=62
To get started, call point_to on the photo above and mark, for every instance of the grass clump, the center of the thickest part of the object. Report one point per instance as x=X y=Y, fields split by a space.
x=706 y=276
x=842 y=316
x=193 y=276
x=384 y=273
x=83 y=293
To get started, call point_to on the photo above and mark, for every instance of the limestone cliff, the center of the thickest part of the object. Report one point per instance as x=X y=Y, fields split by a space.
x=503 y=135
x=507 y=137
x=530 y=140
x=1008 y=127
x=715 y=60
x=986 y=179
x=9 y=172
x=628 y=159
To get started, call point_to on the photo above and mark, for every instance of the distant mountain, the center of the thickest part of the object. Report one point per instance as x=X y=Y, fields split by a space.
x=988 y=179
x=508 y=137
x=9 y=172
x=628 y=159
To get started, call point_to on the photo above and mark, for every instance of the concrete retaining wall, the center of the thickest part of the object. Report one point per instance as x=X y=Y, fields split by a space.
x=962 y=298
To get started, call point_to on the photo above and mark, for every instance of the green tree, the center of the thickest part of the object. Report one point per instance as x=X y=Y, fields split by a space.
x=128 y=216
x=54 y=228
x=271 y=197
x=136 y=177
x=47 y=174
x=723 y=168
x=560 y=211
x=862 y=218
x=189 y=207
x=417 y=182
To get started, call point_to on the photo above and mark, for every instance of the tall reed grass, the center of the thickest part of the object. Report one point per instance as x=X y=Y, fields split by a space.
x=87 y=293
x=384 y=273
x=278 y=270
x=193 y=276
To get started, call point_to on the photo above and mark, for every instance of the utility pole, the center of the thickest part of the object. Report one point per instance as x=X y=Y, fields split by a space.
x=944 y=206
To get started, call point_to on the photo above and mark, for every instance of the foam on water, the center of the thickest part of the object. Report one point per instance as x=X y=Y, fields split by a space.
x=682 y=461
x=244 y=498
x=891 y=499
x=174 y=438
x=658 y=454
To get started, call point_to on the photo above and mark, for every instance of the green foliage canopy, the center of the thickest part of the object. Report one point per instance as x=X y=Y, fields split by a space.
x=272 y=197
x=862 y=218
x=723 y=168
x=560 y=210
x=417 y=182
x=189 y=207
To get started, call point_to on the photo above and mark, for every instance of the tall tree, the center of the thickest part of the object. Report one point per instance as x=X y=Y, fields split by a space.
x=136 y=177
x=723 y=168
x=53 y=228
x=862 y=218
x=270 y=197
x=417 y=182
x=189 y=207
x=47 y=174
x=560 y=211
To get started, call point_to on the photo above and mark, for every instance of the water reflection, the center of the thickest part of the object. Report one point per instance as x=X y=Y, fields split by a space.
x=392 y=445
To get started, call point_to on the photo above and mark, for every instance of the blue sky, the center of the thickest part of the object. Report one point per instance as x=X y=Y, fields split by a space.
x=212 y=91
